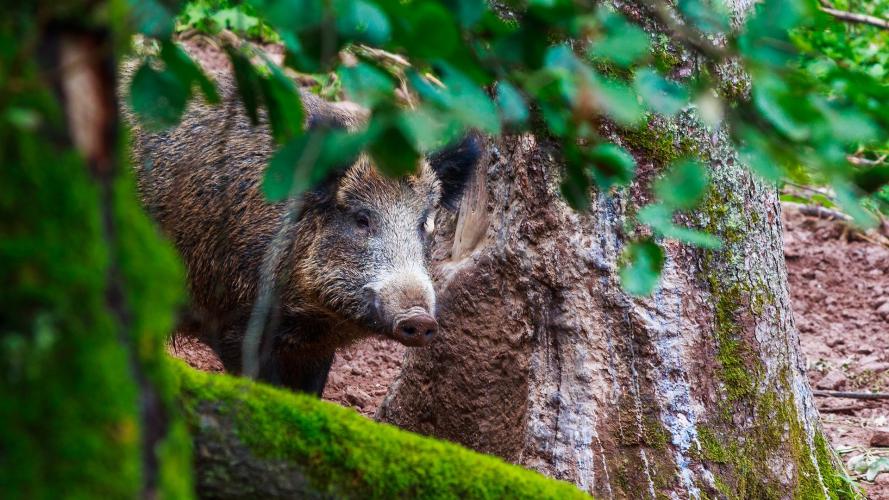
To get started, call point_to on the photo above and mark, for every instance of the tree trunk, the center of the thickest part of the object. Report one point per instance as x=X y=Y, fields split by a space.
x=697 y=391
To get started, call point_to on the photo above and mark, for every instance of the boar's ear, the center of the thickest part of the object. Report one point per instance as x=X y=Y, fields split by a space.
x=454 y=165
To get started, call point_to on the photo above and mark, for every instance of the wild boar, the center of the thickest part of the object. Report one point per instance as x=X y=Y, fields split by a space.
x=356 y=259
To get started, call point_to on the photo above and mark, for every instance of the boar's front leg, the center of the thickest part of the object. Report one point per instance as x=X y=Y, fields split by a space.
x=303 y=373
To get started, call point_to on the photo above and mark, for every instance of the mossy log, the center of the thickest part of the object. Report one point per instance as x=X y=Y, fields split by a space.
x=255 y=441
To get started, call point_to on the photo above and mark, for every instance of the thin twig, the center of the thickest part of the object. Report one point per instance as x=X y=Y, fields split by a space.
x=854 y=17
x=823 y=213
x=852 y=395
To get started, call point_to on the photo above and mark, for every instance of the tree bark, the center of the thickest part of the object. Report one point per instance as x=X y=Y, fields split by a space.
x=697 y=391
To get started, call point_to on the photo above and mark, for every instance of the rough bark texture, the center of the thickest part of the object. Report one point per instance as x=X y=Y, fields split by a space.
x=697 y=391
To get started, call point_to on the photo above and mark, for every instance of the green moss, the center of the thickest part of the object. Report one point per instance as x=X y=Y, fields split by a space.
x=741 y=459
x=712 y=449
x=658 y=141
x=344 y=453
x=838 y=483
x=654 y=434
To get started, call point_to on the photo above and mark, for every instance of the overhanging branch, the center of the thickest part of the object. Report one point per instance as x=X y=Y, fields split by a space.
x=853 y=17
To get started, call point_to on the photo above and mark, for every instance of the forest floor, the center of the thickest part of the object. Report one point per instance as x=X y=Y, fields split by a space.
x=840 y=291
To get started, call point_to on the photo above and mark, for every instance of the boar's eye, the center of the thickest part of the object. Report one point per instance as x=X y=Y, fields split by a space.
x=362 y=220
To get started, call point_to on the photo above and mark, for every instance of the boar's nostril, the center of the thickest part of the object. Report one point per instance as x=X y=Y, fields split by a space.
x=416 y=330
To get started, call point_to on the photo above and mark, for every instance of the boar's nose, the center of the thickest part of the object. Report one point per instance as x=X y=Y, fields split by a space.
x=416 y=330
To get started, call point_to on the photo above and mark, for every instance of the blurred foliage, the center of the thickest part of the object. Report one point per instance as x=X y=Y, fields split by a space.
x=71 y=405
x=797 y=91
x=863 y=49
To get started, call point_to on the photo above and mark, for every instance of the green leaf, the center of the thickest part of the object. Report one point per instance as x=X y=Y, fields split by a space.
x=621 y=42
x=851 y=204
x=362 y=21
x=575 y=186
x=152 y=18
x=512 y=106
x=289 y=168
x=283 y=104
x=235 y=19
x=611 y=165
x=248 y=82
x=661 y=95
x=707 y=16
x=392 y=150
x=306 y=160
x=469 y=103
x=641 y=270
x=290 y=16
x=773 y=100
x=468 y=11
x=619 y=102
x=187 y=71
x=366 y=85
x=754 y=153
x=428 y=31
x=660 y=219
x=157 y=97
x=684 y=185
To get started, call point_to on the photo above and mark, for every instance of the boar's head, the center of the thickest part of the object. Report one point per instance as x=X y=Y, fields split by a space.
x=367 y=263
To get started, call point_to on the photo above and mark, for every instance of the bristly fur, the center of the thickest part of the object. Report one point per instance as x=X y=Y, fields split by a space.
x=201 y=181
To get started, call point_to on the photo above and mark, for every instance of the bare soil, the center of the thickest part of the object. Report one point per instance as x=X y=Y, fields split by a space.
x=840 y=289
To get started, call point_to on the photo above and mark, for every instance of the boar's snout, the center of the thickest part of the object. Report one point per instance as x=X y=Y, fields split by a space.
x=402 y=305
x=415 y=330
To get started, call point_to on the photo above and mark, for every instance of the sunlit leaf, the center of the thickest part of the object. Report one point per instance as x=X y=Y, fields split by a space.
x=684 y=184
x=366 y=85
x=709 y=16
x=641 y=270
x=152 y=18
x=621 y=41
x=660 y=94
x=512 y=106
x=362 y=21
x=660 y=219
